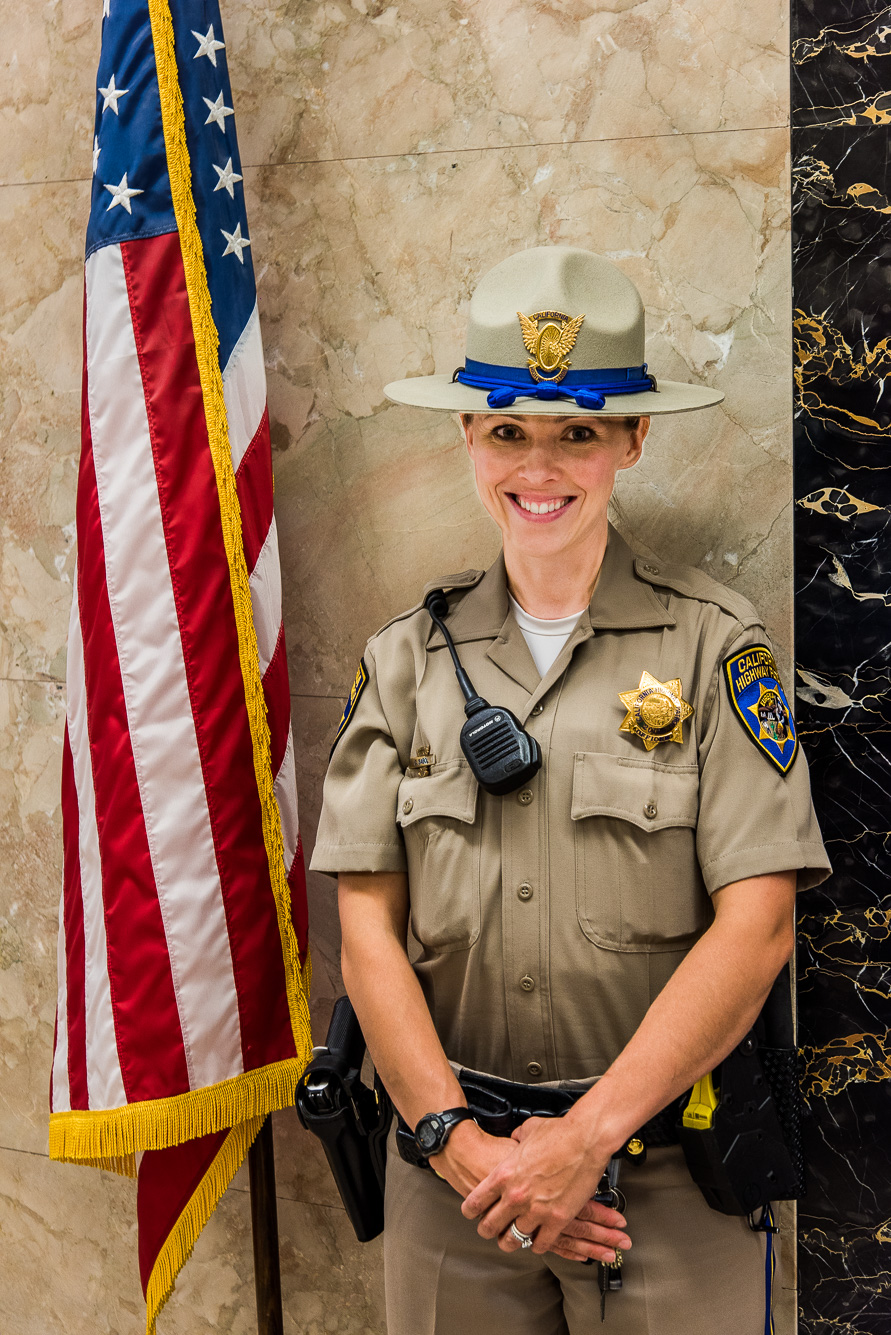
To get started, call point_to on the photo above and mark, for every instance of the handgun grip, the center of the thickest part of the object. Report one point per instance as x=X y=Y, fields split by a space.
x=345 y=1037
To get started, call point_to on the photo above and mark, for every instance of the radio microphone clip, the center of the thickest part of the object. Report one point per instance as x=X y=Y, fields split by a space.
x=499 y=751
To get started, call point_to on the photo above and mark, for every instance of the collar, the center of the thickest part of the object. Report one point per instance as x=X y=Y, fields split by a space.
x=622 y=600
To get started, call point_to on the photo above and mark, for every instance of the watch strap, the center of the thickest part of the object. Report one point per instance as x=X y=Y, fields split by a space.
x=448 y=1120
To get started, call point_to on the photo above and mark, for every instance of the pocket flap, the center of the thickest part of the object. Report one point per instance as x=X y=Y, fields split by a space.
x=646 y=793
x=449 y=791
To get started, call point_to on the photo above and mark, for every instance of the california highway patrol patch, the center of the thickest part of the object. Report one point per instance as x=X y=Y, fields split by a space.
x=757 y=695
x=355 y=691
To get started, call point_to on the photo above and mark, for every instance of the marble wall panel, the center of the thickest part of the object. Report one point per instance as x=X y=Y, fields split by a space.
x=47 y=90
x=32 y=720
x=490 y=73
x=332 y=79
x=69 y=1261
x=41 y=299
x=842 y=187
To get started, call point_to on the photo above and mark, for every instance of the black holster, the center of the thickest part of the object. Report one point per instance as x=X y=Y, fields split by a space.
x=350 y=1119
x=752 y=1153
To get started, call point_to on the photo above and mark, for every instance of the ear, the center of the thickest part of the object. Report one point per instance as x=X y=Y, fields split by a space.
x=636 y=437
x=466 y=421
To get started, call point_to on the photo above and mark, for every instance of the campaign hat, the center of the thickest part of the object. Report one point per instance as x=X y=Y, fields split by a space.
x=554 y=330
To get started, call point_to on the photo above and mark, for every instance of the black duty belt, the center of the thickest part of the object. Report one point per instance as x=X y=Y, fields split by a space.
x=500 y=1106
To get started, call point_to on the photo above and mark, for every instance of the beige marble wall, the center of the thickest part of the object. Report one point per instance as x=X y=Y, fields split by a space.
x=393 y=152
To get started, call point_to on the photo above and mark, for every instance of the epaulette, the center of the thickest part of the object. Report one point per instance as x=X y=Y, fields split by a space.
x=465 y=580
x=693 y=583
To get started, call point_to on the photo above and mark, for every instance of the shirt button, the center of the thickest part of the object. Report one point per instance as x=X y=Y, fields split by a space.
x=651 y=570
x=524 y=796
x=536 y=710
x=407 y=806
x=527 y=983
x=525 y=891
x=651 y=811
x=534 y=1068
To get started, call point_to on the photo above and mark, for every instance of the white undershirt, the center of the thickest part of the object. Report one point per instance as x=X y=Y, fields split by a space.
x=545 y=638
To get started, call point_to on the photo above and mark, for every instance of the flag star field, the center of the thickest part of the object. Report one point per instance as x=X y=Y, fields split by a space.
x=129 y=142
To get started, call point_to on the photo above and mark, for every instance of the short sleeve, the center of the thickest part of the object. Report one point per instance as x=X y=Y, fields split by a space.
x=753 y=819
x=357 y=828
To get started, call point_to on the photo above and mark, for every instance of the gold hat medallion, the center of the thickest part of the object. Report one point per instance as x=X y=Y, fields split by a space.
x=550 y=345
x=656 y=711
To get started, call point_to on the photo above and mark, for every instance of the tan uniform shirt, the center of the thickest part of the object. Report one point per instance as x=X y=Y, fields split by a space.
x=547 y=920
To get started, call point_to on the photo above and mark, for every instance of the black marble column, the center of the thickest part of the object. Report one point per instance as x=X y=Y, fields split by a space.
x=841 y=168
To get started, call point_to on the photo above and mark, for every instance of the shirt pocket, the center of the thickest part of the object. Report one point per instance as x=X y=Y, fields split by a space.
x=437 y=813
x=638 y=882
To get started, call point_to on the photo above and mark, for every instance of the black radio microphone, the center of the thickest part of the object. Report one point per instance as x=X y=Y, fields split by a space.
x=499 y=751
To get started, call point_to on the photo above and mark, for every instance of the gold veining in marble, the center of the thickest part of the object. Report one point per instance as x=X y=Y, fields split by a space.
x=840 y=576
x=873 y=109
x=861 y=939
x=821 y=351
x=859 y=40
x=850 y=1059
x=832 y=501
x=812 y=176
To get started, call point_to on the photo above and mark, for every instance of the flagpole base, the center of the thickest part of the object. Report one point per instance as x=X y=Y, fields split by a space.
x=264 y=1226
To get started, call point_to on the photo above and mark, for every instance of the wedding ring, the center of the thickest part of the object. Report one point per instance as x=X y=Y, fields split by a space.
x=524 y=1239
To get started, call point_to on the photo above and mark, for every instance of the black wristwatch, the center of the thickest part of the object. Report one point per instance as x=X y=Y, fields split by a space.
x=434 y=1129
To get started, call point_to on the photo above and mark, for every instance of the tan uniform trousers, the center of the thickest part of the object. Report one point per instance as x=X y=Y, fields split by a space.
x=691 y=1271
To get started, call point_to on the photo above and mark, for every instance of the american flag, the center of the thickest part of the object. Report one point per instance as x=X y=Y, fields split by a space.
x=183 y=970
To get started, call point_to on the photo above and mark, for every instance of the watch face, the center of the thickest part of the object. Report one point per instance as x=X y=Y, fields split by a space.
x=428 y=1132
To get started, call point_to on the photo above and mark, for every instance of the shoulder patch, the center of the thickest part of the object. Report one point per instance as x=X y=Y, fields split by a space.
x=356 y=690
x=757 y=696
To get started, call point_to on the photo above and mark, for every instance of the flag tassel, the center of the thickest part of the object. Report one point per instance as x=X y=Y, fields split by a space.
x=109 y=1138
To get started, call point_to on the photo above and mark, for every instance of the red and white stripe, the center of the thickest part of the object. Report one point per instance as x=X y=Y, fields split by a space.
x=171 y=974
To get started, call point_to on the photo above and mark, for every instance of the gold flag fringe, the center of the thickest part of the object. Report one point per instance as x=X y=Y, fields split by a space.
x=110 y=1138
x=181 y=1239
x=207 y=351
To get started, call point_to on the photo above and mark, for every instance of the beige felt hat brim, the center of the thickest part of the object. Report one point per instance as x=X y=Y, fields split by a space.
x=438 y=391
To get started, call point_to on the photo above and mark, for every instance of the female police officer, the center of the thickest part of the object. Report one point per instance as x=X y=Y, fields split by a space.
x=614 y=924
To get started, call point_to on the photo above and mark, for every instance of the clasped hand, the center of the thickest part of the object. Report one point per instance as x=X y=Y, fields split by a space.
x=543 y=1180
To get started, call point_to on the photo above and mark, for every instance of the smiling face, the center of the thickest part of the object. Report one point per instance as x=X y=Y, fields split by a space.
x=546 y=481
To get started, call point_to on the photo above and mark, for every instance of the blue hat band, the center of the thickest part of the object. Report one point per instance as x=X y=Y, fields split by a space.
x=588 y=388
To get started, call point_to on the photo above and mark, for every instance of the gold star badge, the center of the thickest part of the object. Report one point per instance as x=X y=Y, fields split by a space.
x=656 y=711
